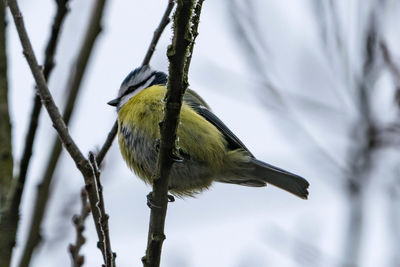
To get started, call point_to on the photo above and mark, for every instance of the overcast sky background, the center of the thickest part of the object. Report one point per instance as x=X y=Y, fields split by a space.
x=228 y=225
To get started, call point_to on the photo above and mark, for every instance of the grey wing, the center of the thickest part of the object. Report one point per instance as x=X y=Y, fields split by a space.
x=201 y=108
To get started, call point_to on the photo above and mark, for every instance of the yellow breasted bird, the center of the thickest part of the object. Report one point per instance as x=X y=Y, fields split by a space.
x=208 y=151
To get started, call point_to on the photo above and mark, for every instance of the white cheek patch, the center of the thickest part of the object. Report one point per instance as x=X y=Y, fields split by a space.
x=127 y=97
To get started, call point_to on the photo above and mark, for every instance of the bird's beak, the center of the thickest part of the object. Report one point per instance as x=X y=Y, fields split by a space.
x=114 y=102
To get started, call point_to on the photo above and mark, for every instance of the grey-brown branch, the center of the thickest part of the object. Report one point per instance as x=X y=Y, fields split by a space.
x=177 y=84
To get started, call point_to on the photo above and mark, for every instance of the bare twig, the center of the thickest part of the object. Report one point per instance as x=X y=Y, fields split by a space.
x=105 y=244
x=81 y=162
x=195 y=33
x=79 y=223
x=73 y=87
x=7 y=229
x=177 y=84
x=107 y=144
x=156 y=37
x=157 y=33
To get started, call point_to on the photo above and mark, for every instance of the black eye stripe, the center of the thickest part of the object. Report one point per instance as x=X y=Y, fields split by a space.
x=134 y=87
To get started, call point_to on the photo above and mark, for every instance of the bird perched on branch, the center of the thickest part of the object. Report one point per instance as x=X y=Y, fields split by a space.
x=207 y=150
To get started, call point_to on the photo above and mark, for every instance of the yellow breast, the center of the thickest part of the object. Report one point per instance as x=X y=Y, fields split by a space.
x=195 y=135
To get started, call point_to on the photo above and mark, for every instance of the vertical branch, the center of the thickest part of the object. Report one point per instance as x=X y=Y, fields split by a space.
x=7 y=236
x=105 y=243
x=195 y=33
x=79 y=223
x=6 y=159
x=73 y=88
x=361 y=155
x=177 y=84
x=157 y=33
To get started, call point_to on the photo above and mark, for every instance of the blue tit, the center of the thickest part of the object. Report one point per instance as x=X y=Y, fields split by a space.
x=208 y=150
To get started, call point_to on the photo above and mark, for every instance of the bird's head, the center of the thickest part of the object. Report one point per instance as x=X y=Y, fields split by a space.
x=136 y=81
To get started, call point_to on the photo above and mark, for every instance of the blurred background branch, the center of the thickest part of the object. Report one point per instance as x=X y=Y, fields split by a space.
x=357 y=95
x=11 y=214
x=79 y=224
x=6 y=164
x=7 y=232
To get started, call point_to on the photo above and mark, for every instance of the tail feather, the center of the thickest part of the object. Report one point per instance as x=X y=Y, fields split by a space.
x=285 y=180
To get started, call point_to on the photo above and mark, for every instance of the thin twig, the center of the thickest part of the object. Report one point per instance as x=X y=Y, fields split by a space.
x=156 y=37
x=79 y=223
x=195 y=33
x=105 y=244
x=7 y=229
x=157 y=33
x=81 y=162
x=177 y=84
x=107 y=144
x=73 y=88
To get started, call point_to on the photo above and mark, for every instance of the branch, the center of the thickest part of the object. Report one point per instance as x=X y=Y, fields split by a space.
x=79 y=223
x=81 y=162
x=73 y=87
x=6 y=159
x=107 y=144
x=177 y=84
x=7 y=231
x=104 y=244
x=157 y=33
x=156 y=37
x=195 y=33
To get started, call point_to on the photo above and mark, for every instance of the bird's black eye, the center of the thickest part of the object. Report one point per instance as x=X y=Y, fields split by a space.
x=136 y=86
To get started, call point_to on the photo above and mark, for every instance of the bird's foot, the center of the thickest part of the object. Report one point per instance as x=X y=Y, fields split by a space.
x=176 y=157
x=151 y=204
x=171 y=198
x=150 y=201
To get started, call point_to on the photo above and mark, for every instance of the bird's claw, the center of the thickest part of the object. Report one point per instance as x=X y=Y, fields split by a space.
x=152 y=205
x=150 y=202
x=176 y=158
x=171 y=198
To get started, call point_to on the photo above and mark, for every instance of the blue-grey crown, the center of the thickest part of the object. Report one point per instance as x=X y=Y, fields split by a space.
x=140 y=76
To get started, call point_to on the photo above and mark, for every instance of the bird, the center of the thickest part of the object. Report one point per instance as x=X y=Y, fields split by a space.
x=208 y=151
